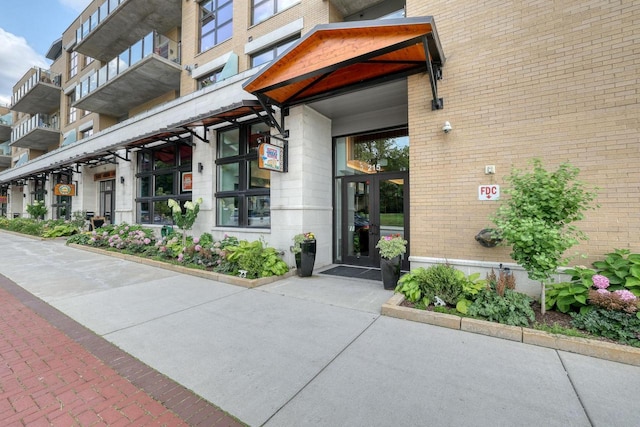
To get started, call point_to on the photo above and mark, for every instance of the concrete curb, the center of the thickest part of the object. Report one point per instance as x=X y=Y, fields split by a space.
x=588 y=347
x=218 y=277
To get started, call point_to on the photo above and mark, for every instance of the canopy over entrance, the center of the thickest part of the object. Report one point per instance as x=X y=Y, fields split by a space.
x=337 y=58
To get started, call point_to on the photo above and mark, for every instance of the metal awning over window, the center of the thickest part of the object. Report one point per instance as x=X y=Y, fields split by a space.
x=337 y=58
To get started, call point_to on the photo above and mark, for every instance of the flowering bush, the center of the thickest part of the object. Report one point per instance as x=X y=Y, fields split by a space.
x=184 y=220
x=392 y=246
x=298 y=239
x=600 y=282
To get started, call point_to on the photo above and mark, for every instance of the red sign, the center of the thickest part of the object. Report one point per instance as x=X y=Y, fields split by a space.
x=187 y=181
x=488 y=192
x=3 y=199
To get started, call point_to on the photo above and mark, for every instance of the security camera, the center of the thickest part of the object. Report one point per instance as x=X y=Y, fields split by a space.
x=447 y=127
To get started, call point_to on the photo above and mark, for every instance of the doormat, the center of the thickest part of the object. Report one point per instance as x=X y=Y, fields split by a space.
x=354 y=272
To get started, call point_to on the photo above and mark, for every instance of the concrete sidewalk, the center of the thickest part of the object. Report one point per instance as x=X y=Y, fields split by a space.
x=315 y=351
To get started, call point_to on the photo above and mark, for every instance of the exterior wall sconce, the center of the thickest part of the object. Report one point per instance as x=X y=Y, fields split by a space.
x=122 y=180
x=447 y=127
x=200 y=167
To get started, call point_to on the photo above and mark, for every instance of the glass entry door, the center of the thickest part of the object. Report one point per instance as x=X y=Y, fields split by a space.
x=372 y=206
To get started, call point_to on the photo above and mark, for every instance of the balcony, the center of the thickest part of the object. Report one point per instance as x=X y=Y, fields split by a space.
x=144 y=71
x=39 y=94
x=5 y=128
x=119 y=23
x=38 y=133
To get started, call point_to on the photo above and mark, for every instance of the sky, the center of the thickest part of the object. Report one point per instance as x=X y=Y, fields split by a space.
x=27 y=30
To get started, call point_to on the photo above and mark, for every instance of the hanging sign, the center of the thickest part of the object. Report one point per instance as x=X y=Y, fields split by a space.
x=3 y=199
x=187 y=181
x=271 y=157
x=64 y=190
x=488 y=192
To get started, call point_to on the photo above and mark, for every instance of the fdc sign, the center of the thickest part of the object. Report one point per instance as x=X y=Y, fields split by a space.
x=488 y=192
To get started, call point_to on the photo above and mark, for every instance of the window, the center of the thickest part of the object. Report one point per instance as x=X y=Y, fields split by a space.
x=164 y=172
x=263 y=9
x=210 y=79
x=107 y=199
x=87 y=133
x=243 y=190
x=216 y=22
x=87 y=60
x=272 y=52
x=61 y=205
x=73 y=112
x=73 y=64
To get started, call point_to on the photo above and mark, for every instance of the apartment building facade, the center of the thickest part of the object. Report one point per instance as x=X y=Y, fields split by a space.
x=327 y=116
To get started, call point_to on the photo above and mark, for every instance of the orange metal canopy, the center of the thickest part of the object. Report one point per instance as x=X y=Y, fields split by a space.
x=337 y=58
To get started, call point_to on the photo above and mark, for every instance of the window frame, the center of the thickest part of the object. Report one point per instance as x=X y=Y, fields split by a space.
x=180 y=166
x=205 y=17
x=277 y=7
x=276 y=49
x=245 y=192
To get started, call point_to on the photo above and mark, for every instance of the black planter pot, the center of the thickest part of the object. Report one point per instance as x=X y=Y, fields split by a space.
x=306 y=258
x=390 y=269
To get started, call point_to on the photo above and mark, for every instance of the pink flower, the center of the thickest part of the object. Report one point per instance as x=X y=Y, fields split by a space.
x=147 y=241
x=600 y=281
x=196 y=240
x=625 y=295
x=180 y=257
x=602 y=291
x=163 y=249
x=198 y=248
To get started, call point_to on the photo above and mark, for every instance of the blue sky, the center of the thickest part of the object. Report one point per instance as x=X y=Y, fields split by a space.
x=27 y=29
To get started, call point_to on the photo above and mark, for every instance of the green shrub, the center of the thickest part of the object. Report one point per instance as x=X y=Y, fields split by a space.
x=256 y=259
x=59 y=230
x=622 y=268
x=616 y=325
x=514 y=308
x=443 y=281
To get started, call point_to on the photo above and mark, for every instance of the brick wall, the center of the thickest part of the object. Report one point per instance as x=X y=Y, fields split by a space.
x=554 y=80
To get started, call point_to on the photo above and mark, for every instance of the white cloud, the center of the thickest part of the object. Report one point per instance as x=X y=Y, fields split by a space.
x=16 y=57
x=77 y=5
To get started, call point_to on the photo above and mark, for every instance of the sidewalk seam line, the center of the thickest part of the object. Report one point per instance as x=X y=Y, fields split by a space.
x=575 y=390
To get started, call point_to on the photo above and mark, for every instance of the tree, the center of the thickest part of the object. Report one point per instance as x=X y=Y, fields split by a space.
x=184 y=220
x=535 y=220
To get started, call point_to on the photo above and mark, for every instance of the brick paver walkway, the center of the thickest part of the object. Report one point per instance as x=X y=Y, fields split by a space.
x=55 y=372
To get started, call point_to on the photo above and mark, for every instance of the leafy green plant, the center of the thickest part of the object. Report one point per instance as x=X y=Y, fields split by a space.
x=256 y=259
x=616 y=325
x=409 y=286
x=37 y=210
x=535 y=219
x=59 y=230
x=300 y=238
x=622 y=268
x=514 y=308
x=391 y=246
x=184 y=220
x=559 y=330
x=471 y=286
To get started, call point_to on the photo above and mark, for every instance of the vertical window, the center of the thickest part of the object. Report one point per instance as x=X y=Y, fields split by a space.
x=216 y=22
x=164 y=173
x=87 y=60
x=264 y=9
x=73 y=112
x=243 y=190
x=271 y=52
x=107 y=199
x=61 y=206
x=73 y=64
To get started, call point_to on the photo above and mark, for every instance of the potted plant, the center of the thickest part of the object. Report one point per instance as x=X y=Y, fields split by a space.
x=304 y=250
x=391 y=247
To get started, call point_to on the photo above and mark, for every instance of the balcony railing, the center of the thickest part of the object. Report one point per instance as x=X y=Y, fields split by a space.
x=152 y=43
x=96 y=18
x=6 y=120
x=39 y=121
x=39 y=76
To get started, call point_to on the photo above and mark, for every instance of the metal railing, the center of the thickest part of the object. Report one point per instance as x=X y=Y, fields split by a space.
x=152 y=43
x=90 y=24
x=42 y=121
x=39 y=75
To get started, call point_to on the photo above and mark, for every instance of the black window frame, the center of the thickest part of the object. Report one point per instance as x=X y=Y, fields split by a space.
x=246 y=155
x=179 y=167
x=276 y=49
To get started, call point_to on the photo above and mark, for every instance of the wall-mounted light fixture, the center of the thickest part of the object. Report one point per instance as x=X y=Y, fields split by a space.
x=122 y=180
x=200 y=167
x=447 y=127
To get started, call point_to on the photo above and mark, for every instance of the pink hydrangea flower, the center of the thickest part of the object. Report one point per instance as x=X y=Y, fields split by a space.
x=147 y=241
x=625 y=295
x=602 y=291
x=196 y=240
x=198 y=248
x=180 y=257
x=600 y=281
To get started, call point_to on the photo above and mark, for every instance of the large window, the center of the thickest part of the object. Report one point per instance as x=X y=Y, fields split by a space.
x=73 y=64
x=61 y=206
x=216 y=22
x=271 y=52
x=263 y=9
x=72 y=113
x=164 y=173
x=243 y=190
